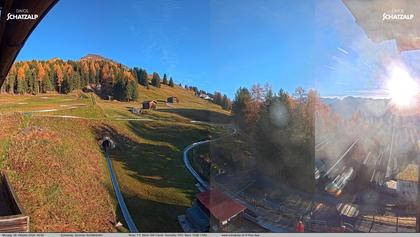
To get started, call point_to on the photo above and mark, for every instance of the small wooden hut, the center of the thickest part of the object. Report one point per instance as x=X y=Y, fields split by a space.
x=151 y=104
x=172 y=99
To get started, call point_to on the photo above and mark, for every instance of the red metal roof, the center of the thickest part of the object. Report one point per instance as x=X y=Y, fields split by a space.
x=220 y=205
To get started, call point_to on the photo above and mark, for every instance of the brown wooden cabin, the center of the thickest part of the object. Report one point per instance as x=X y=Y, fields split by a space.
x=152 y=104
x=87 y=89
x=12 y=217
x=172 y=99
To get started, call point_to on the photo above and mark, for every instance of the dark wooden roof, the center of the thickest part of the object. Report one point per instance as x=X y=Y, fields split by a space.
x=14 y=33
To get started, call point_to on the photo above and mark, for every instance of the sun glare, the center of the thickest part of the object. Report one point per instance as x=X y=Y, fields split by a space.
x=402 y=87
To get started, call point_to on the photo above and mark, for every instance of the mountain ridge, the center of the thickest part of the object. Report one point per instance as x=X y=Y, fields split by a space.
x=97 y=57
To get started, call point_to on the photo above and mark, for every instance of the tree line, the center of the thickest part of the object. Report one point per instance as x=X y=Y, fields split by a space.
x=107 y=78
x=143 y=78
x=281 y=130
x=223 y=101
x=216 y=97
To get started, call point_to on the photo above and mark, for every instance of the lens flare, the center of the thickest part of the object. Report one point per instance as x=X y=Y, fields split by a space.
x=402 y=88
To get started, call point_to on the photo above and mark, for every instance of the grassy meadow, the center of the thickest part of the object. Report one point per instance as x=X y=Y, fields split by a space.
x=58 y=169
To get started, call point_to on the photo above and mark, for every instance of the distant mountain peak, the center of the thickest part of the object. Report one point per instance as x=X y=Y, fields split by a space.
x=97 y=57
x=348 y=105
x=94 y=57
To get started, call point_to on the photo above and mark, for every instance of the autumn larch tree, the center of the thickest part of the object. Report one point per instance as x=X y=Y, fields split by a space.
x=85 y=73
x=65 y=76
x=60 y=76
x=20 y=88
x=92 y=73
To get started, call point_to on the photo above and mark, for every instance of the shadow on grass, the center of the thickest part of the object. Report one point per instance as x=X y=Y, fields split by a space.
x=200 y=115
x=148 y=215
x=155 y=161
x=152 y=216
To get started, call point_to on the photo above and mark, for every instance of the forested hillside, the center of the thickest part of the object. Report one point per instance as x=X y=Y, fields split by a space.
x=104 y=76
x=37 y=76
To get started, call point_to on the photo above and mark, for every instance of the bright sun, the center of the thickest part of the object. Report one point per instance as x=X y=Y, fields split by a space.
x=402 y=87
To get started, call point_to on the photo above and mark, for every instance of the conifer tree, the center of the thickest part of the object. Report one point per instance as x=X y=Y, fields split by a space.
x=217 y=98
x=225 y=102
x=76 y=81
x=20 y=88
x=156 y=80
x=165 y=79
x=171 y=82
x=132 y=92
x=29 y=79
x=142 y=77
x=119 y=89
x=11 y=80
x=40 y=77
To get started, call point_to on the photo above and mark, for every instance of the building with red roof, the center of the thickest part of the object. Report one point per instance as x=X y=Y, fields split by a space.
x=212 y=208
x=221 y=207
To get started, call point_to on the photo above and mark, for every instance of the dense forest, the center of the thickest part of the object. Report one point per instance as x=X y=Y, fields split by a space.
x=103 y=76
x=280 y=128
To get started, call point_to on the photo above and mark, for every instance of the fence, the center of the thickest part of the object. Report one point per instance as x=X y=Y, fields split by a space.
x=386 y=224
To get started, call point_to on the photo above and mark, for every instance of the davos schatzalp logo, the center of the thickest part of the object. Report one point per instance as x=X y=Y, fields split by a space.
x=21 y=14
x=397 y=15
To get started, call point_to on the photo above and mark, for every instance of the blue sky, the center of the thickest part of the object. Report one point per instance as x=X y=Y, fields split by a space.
x=223 y=44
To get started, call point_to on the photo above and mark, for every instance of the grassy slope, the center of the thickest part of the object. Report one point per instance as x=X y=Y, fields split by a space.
x=190 y=107
x=15 y=103
x=149 y=166
x=59 y=175
x=149 y=163
x=147 y=160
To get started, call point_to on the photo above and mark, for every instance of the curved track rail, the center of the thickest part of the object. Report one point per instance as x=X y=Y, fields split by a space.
x=126 y=214
x=188 y=165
